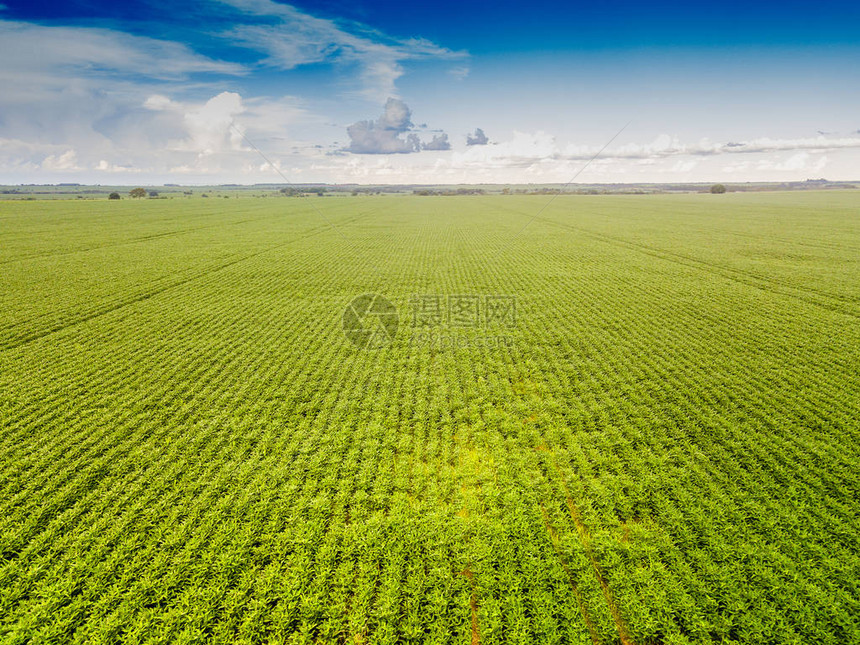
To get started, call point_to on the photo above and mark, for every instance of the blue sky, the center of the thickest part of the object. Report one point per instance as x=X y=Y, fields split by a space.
x=390 y=92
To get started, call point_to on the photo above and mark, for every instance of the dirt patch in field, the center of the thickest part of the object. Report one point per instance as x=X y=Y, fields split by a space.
x=473 y=605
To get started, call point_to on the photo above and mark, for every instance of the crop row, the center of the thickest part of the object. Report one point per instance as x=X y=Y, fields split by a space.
x=662 y=454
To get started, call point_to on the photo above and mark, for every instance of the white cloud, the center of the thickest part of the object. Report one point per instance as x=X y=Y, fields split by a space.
x=537 y=157
x=477 y=139
x=214 y=131
x=683 y=166
x=291 y=38
x=210 y=126
x=382 y=136
x=737 y=167
x=439 y=142
x=87 y=101
x=158 y=102
x=28 y=49
x=521 y=151
x=798 y=161
x=105 y=166
x=65 y=161
x=124 y=103
x=459 y=72
x=766 y=144
x=82 y=89
x=158 y=137
x=668 y=146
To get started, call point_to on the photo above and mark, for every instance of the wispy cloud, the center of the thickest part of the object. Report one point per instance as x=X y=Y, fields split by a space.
x=289 y=38
x=666 y=146
x=78 y=100
x=538 y=157
x=533 y=150
x=460 y=72
x=32 y=51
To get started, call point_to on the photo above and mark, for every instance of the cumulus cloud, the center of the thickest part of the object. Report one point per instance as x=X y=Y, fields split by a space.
x=439 y=142
x=795 y=162
x=160 y=136
x=477 y=139
x=383 y=136
x=82 y=89
x=66 y=161
x=396 y=116
x=147 y=104
x=213 y=132
x=80 y=100
x=209 y=127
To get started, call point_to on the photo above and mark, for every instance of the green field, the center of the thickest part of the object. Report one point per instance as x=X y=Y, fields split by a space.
x=663 y=446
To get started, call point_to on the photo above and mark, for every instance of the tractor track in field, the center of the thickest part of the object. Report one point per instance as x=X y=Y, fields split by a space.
x=771 y=285
x=554 y=539
x=138 y=240
x=17 y=341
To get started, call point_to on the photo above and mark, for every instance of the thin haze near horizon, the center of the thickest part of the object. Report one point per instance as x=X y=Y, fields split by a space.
x=438 y=93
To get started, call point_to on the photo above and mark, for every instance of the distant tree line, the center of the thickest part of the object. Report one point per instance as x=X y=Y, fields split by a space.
x=459 y=191
x=289 y=191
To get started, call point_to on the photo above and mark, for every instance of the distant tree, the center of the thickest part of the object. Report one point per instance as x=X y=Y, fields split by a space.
x=153 y=193
x=114 y=196
x=204 y=195
x=718 y=189
x=137 y=193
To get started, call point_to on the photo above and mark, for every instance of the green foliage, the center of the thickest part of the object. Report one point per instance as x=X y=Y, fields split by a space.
x=718 y=189
x=137 y=193
x=666 y=452
x=114 y=196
